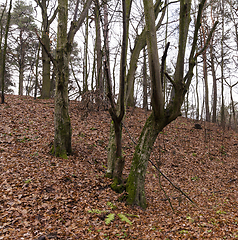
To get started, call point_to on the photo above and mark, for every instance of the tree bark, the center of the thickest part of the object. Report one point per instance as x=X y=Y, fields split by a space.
x=160 y=117
x=3 y=60
x=214 y=104
x=203 y=39
x=140 y=43
x=145 y=100
x=21 y=64
x=45 y=58
x=99 y=79
x=62 y=140
x=223 y=121
x=116 y=161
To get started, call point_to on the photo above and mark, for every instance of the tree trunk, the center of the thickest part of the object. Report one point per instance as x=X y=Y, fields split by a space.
x=106 y=42
x=233 y=108
x=45 y=58
x=136 y=179
x=36 y=76
x=21 y=64
x=140 y=43
x=214 y=105
x=62 y=141
x=117 y=112
x=99 y=79
x=223 y=121
x=3 y=59
x=158 y=119
x=145 y=100
x=197 y=94
x=85 y=61
x=203 y=39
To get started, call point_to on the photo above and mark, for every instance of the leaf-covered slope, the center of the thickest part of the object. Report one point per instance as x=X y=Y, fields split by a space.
x=51 y=198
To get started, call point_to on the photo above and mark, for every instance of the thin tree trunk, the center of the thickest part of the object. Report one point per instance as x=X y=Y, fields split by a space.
x=203 y=39
x=36 y=77
x=145 y=100
x=223 y=123
x=21 y=65
x=233 y=108
x=214 y=105
x=5 y=52
x=99 y=82
x=85 y=61
x=197 y=94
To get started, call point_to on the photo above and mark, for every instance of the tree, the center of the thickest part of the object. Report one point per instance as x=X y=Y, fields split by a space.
x=205 y=71
x=46 y=22
x=99 y=79
x=116 y=160
x=23 y=40
x=3 y=55
x=140 y=43
x=145 y=100
x=62 y=139
x=161 y=115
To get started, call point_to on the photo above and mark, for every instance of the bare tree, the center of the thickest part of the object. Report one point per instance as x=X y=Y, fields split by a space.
x=161 y=116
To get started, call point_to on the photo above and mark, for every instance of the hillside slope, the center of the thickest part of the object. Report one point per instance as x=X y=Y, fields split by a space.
x=43 y=197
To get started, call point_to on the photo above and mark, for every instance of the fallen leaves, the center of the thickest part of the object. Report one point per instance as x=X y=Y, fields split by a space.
x=43 y=197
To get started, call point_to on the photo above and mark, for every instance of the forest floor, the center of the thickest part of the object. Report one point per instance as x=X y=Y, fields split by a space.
x=44 y=197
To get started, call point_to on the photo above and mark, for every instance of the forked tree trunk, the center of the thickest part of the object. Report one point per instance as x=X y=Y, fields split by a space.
x=140 y=44
x=115 y=159
x=161 y=117
x=62 y=140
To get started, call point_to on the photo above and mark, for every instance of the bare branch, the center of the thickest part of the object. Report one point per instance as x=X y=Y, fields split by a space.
x=54 y=16
x=46 y=50
x=163 y=62
x=75 y=25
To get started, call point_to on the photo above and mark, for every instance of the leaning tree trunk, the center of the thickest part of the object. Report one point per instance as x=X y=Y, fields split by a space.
x=136 y=180
x=161 y=117
x=145 y=100
x=154 y=124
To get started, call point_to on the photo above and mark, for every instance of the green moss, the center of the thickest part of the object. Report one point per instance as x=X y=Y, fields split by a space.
x=117 y=186
x=58 y=152
x=108 y=175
